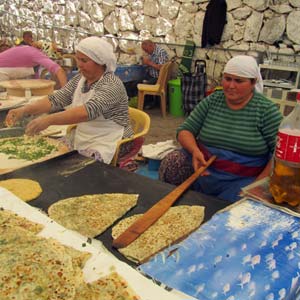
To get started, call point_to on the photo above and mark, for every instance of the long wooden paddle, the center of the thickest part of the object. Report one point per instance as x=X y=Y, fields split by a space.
x=156 y=211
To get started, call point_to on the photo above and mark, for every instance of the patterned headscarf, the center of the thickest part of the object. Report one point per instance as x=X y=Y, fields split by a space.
x=245 y=66
x=99 y=50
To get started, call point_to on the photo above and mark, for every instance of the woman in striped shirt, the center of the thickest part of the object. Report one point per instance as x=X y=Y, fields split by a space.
x=238 y=125
x=95 y=100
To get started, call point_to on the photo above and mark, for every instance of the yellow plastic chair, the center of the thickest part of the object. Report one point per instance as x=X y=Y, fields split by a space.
x=140 y=122
x=158 y=89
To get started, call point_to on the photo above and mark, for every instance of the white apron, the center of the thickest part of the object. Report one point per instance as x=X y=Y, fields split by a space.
x=99 y=134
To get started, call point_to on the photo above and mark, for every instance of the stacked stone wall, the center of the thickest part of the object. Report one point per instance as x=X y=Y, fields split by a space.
x=264 y=28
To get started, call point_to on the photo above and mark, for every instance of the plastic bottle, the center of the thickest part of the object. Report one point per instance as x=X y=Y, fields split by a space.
x=285 y=179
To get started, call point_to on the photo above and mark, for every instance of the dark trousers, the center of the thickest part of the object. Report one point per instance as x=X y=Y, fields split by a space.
x=132 y=91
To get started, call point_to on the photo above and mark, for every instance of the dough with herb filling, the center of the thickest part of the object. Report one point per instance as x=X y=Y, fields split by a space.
x=28 y=148
x=39 y=268
x=91 y=215
x=174 y=225
x=34 y=268
x=112 y=286
x=8 y=217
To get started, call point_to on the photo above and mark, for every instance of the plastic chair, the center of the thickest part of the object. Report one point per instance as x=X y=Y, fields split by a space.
x=141 y=124
x=158 y=89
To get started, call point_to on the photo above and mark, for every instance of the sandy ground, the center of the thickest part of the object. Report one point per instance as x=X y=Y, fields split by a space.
x=161 y=129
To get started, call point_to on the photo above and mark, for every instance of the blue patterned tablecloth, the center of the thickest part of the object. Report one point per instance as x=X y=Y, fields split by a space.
x=249 y=251
x=129 y=73
x=126 y=73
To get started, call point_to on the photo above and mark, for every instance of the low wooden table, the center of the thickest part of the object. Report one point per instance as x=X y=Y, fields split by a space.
x=37 y=87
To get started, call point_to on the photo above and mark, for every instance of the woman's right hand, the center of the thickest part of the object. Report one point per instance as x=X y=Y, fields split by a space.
x=13 y=116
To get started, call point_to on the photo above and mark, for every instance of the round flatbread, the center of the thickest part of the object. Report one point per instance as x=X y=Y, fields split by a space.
x=25 y=189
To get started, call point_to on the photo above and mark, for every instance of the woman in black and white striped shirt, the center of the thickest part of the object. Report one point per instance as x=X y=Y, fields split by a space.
x=95 y=100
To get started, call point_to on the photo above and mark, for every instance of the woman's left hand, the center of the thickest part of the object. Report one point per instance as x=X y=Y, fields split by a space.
x=37 y=125
x=199 y=161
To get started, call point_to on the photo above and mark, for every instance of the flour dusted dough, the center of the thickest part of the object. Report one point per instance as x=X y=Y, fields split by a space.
x=8 y=217
x=25 y=189
x=37 y=268
x=112 y=286
x=90 y=215
x=174 y=225
x=34 y=268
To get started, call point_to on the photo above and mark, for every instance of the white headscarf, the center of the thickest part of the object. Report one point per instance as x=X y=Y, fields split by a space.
x=99 y=50
x=245 y=66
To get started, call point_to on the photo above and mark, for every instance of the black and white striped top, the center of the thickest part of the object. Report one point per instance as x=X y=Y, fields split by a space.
x=110 y=99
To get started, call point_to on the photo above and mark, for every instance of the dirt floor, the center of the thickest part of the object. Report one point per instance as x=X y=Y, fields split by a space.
x=161 y=129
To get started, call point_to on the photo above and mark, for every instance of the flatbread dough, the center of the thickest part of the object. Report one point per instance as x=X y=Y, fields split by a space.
x=91 y=215
x=36 y=268
x=28 y=148
x=18 y=152
x=8 y=217
x=112 y=286
x=33 y=267
x=174 y=225
x=25 y=189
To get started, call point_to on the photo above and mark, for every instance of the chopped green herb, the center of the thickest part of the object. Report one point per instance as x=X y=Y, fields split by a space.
x=3 y=242
x=38 y=290
x=27 y=148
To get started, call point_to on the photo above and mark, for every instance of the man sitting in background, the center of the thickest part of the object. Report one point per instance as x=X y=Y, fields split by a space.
x=157 y=56
x=27 y=39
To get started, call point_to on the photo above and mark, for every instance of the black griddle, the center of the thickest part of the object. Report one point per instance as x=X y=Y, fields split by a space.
x=73 y=175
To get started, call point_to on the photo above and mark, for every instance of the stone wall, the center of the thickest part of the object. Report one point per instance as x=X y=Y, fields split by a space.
x=260 y=27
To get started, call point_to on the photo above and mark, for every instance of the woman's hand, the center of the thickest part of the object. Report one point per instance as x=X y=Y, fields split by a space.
x=198 y=161
x=37 y=125
x=13 y=116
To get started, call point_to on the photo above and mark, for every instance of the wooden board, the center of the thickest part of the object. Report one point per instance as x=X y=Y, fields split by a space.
x=11 y=103
x=8 y=165
x=37 y=87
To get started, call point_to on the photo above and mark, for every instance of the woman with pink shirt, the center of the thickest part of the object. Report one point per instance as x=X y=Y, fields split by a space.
x=18 y=62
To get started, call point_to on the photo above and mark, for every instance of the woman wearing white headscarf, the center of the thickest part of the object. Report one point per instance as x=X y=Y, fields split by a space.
x=95 y=100
x=238 y=125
